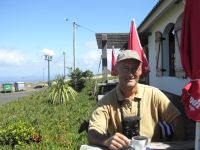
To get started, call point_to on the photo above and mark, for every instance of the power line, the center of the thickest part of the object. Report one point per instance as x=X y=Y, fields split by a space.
x=78 y=25
x=75 y=25
x=87 y=29
x=58 y=59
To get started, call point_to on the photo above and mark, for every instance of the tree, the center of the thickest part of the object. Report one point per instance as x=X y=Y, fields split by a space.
x=88 y=74
x=77 y=82
x=61 y=91
x=78 y=78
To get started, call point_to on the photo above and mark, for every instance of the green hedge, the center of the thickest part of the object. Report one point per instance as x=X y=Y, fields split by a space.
x=56 y=124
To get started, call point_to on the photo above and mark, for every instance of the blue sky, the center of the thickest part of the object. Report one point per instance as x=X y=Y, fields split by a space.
x=29 y=26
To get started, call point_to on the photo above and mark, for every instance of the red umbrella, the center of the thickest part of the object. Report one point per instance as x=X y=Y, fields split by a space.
x=113 y=72
x=134 y=44
x=190 y=52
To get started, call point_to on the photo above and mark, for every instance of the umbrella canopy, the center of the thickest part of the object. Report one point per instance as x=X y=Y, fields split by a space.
x=113 y=71
x=190 y=52
x=134 y=44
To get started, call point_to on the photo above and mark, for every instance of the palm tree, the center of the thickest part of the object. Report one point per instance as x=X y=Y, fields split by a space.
x=61 y=92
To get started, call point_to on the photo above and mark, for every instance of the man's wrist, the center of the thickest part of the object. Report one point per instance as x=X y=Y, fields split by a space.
x=106 y=142
x=98 y=139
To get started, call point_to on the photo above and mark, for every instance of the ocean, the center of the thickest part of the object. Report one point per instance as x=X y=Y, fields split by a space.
x=13 y=79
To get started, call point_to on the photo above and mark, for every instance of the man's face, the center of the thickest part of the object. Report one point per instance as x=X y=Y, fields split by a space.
x=129 y=72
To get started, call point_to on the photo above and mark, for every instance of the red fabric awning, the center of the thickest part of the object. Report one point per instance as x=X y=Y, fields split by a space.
x=190 y=58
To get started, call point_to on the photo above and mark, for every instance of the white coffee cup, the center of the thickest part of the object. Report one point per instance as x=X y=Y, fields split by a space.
x=139 y=142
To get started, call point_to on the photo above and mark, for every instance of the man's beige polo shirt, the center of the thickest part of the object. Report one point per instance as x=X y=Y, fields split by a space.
x=154 y=107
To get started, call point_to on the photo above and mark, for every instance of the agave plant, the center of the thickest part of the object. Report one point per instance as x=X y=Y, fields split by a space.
x=61 y=92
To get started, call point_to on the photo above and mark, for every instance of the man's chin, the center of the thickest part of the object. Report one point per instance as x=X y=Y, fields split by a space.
x=131 y=84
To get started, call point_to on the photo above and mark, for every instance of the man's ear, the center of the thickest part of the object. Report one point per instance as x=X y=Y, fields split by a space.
x=140 y=69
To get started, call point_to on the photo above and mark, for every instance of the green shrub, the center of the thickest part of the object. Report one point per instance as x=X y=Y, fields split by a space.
x=61 y=91
x=78 y=78
x=58 y=125
x=18 y=133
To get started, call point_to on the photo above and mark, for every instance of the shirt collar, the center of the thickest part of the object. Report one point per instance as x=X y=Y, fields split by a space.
x=139 y=93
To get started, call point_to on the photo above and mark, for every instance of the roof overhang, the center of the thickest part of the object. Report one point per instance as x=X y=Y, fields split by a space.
x=119 y=40
x=113 y=39
x=158 y=10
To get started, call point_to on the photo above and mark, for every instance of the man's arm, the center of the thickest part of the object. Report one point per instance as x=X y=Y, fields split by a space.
x=179 y=131
x=115 y=142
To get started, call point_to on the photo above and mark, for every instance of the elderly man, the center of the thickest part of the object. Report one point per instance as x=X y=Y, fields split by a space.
x=145 y=105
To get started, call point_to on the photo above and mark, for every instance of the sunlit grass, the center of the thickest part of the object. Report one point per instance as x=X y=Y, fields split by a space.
x=57 y=124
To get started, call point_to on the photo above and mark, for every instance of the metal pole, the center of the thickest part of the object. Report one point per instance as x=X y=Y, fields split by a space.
x=197 y=136
x=48 y=58
x=64 y=64
x=74 y=48
x=48 y=71
x=43 y=75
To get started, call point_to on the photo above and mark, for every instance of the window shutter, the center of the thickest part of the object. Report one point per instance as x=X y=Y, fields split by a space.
x=179 y=71
x=158 y=41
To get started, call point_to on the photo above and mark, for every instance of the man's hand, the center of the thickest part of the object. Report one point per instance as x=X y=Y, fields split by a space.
x=117 y=141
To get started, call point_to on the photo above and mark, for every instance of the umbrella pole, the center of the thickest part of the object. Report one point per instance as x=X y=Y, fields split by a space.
x=197 y=137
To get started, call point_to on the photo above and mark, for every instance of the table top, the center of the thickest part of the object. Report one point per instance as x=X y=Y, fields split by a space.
x=175 y=145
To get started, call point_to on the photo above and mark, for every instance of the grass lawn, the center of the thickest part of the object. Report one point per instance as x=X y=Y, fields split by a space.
x=57 y=124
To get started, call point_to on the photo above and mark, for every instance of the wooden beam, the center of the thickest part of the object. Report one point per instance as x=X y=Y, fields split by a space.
x=104 y=57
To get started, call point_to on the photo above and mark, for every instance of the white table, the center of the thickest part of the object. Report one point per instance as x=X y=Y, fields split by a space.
x=177 y=145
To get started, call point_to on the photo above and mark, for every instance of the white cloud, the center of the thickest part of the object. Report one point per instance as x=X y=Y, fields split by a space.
x=91 y=57
x=36 y=61
x=91 y=45
x=92 y=54
x=17 y=63
x=11 y=57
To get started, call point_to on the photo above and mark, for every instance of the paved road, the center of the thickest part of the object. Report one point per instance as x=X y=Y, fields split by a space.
x=8 y=97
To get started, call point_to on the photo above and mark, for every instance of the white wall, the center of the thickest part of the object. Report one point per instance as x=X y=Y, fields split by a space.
x=170 y=84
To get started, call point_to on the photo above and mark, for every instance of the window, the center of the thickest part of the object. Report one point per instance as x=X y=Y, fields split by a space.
x=168 y=60
x=169 y=51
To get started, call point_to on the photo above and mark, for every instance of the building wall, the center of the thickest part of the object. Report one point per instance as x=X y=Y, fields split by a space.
x=167 y=83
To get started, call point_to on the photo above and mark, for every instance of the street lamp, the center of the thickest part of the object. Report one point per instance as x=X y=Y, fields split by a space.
x=48 y=58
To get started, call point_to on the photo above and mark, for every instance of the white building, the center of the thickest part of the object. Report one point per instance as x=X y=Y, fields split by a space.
x=164 y=25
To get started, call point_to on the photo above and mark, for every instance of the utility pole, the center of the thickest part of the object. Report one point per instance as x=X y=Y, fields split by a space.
x=74 y=45
x=48 y=58
x=74 y=39
x=64 y=64
x=43 y=75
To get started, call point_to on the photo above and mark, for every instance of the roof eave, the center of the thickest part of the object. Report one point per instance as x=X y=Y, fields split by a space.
x=158 y=10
